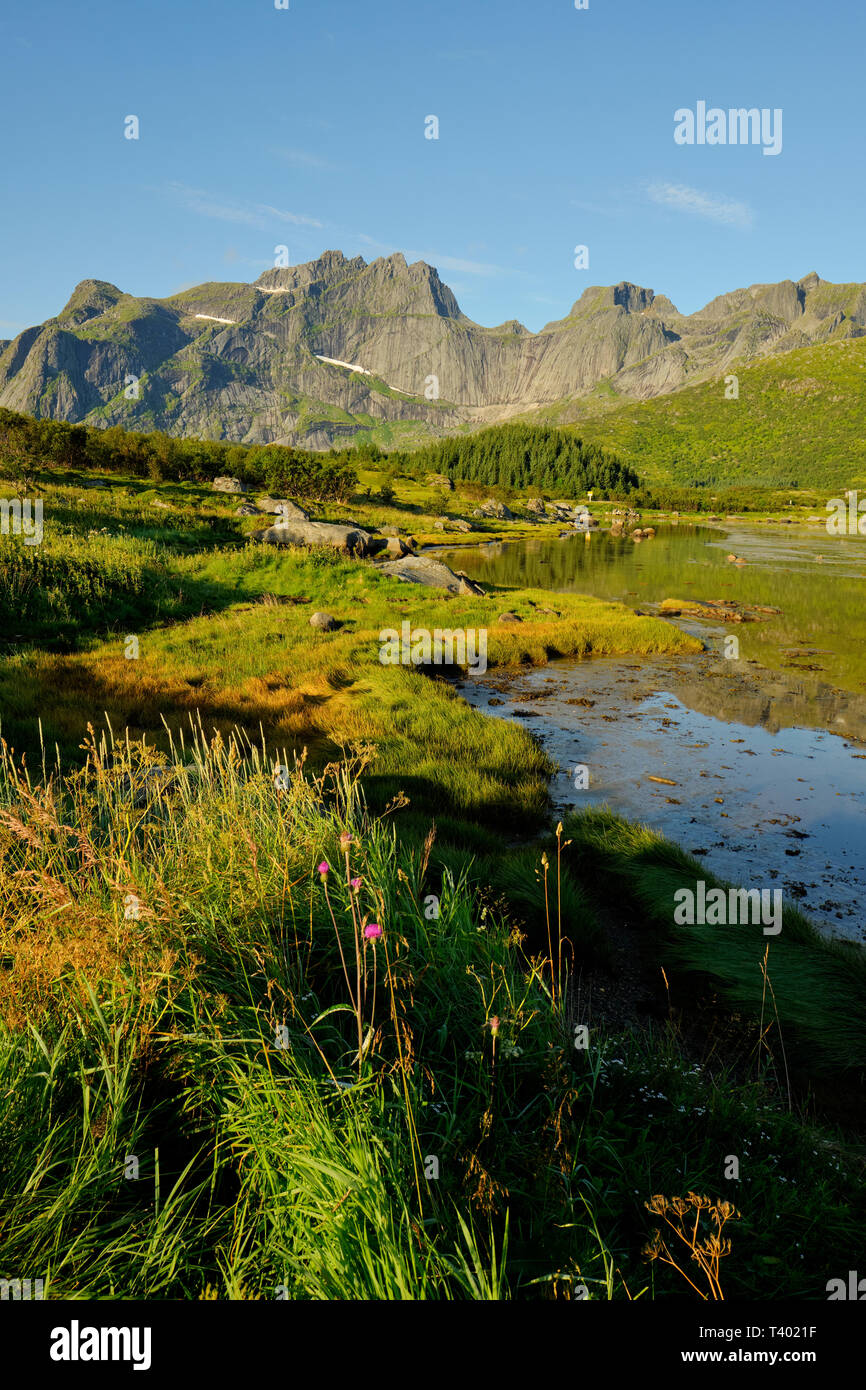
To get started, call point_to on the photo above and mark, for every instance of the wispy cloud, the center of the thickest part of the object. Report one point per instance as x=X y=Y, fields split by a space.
x=9 y=325
x=455 y=263
x=713 y=206
x=260 y=215
x=303 y=159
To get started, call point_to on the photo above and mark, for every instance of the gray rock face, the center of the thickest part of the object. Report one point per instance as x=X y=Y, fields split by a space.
x=325 y=622
x=350 y=539
x=396 y=547
x=262 y=368
x=229 y=485
x=496 y=509
x=289 y=510
x=423 y=569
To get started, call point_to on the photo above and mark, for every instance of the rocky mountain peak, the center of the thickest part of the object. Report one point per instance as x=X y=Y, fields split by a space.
x=89 y=299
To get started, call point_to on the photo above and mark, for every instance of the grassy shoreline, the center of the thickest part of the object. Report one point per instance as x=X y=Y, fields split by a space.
x=183 y=987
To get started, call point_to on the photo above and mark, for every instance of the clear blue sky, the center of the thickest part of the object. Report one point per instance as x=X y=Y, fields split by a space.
x=305 y=127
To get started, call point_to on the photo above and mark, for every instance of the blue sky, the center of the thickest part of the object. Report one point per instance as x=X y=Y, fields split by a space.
x=305 y=127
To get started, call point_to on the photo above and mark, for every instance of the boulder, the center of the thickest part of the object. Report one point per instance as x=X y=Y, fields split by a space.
x=423 y=569
x=497 y=509
x=229 y=485
x=509 y=618
x=396 y=547
x=350 y=539
x=246 y=509
x=290 y=510
x=461 y=525
x=536 y=505
x=467 y=585
x=325 y=622
x=439 y=480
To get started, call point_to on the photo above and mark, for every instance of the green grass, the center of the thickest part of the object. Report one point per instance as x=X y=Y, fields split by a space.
x=178 y=985
x=797 y=419
x=271 y=1171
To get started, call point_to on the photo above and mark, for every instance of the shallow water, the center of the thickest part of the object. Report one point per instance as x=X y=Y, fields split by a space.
x=766 y=754
x=816 y=580
x=765 y=809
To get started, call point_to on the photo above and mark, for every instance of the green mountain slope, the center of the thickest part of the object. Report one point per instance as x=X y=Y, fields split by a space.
x=799 y=419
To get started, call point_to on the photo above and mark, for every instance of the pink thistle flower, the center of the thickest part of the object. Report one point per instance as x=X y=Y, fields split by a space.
x=324 y=868
x=372 y=931
x=354 y=884
x=345 y=840
x=494 y=1024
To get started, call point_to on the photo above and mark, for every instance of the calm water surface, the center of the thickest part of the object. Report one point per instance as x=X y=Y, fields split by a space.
x=767 y=755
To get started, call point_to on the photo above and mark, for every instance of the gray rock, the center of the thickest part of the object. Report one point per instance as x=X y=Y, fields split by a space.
x=438 y=525
x=423 y=569
x=350 y=539
x=325 y=622
x=509 y=618
x=536 y=505
x=396 y=547
x=246 y=509
x=461 y=525
x=229 y=485
x=467 y=585
x=290 y=510
x=439 y=480
x=497 y=509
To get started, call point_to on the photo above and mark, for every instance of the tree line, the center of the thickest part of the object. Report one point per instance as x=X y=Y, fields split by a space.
x=28 y=445
x=525 y=458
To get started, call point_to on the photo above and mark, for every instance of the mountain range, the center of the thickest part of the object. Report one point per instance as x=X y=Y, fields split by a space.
x=317 y=354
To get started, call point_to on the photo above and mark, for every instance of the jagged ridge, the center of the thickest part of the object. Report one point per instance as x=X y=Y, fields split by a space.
x=244 y=362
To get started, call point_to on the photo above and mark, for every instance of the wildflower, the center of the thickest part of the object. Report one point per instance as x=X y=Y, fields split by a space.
x=324 y=868
x=372 y=931
x=494 y=1025
x=345 y=840
x=354 y=884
